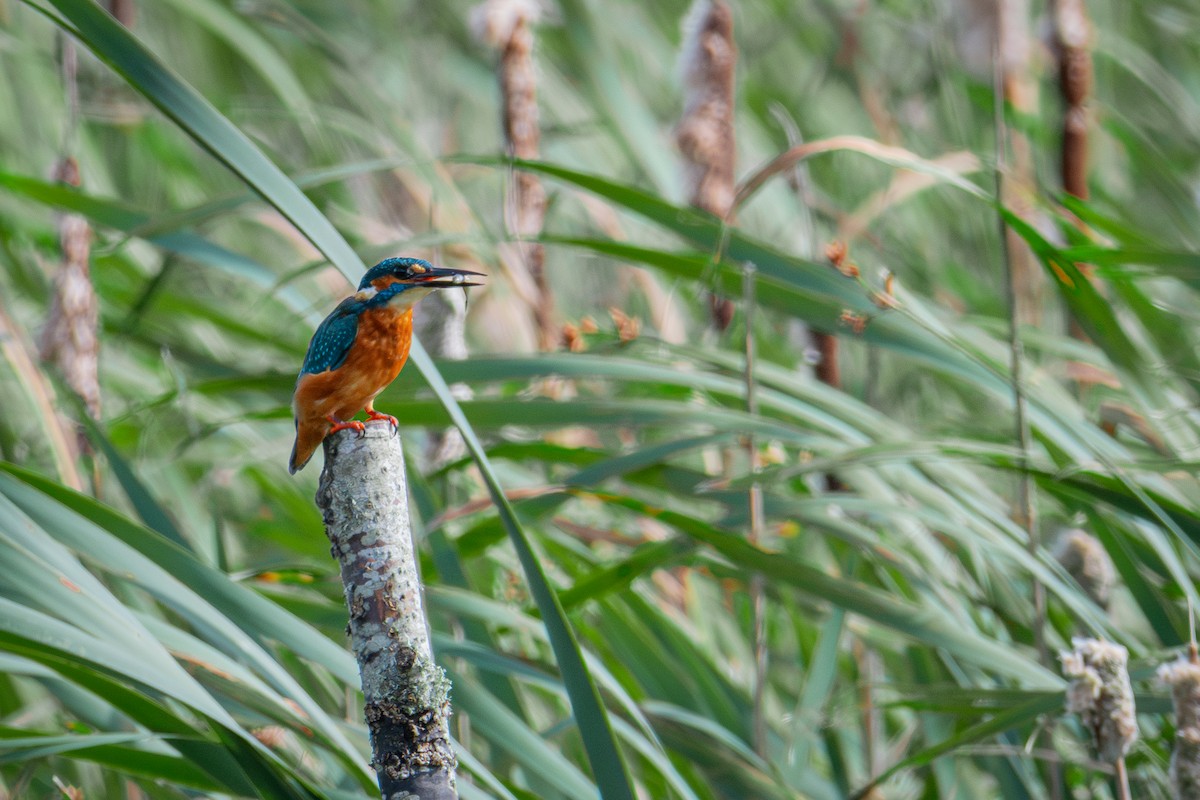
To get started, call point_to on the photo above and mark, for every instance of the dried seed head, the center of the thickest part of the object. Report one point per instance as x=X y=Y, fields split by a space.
x=705 y=131
x=273 y=736
x=70 y=339
x=1082 y=555
x=495 y=21
x=1101 y=695
x=507 y=26
x=1183 y=676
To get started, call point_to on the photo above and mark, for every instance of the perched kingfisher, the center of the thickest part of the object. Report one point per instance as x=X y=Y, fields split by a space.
x=360 y=348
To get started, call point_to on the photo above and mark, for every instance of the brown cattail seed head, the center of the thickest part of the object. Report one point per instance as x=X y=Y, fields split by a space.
x=70 y=339
x=1101 y=695
x=705 y=131
x=1183 y=676
x=1082 y=555
x=507 y=26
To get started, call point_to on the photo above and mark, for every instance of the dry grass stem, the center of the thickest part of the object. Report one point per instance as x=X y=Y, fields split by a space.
x=896 y=156
x=758 y=595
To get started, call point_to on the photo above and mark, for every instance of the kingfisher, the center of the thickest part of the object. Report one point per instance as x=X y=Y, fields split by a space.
x=360 y=348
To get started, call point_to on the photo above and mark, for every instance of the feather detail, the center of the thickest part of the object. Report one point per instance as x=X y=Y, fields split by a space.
x=368 y=363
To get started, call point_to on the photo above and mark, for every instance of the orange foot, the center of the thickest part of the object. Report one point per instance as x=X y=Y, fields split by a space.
x=373 y=415
x=339 y=425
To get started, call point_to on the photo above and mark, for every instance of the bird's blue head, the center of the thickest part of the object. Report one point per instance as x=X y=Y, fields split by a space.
x=414 y=272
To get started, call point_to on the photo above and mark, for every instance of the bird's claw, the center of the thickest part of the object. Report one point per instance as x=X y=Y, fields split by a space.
x=374 y=415
x=351 y=425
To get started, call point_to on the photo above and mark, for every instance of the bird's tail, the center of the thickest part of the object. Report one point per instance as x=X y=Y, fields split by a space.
x=308 y=439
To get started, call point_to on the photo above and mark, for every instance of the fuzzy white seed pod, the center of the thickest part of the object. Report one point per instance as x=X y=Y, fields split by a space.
x=1183 y=676
x=1101 y=695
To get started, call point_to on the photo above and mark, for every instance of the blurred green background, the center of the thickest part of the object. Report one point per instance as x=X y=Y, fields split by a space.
x=171 y=623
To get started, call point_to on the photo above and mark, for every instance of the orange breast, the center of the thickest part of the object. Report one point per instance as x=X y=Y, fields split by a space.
x=376 y=358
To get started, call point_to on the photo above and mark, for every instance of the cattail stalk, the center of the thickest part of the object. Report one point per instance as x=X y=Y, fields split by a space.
x=1183 y=676
x=758 y=589
x=124 y=11
x=1100 y=693
x=1020 y=187
x=705 y=132
x=1025 y=507
x=507 y=26
x=1073 y=39
x=363 y=497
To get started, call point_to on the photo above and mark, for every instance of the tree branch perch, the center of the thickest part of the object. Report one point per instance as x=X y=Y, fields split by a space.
x=363 y=497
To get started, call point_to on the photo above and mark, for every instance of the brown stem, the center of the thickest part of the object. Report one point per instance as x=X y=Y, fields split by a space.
x=124 y=11
x=1122 y=780
x=828 y=369
x=1073 y=34
x=363 y=498
x=829 y=372
x=1020 y=186
x=758 y=592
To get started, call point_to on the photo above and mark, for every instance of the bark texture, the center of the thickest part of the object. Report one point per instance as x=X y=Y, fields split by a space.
x=363 y=496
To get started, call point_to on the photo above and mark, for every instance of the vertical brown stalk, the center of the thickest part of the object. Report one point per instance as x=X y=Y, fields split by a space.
x=829 y=372
x=705 y=131
x=758 y=589
x=1073 y=35
x=363 y=497
x=124 y=11
x=1025 y=508
x=1020 y=185
x=1073 y=38
x=506 y=25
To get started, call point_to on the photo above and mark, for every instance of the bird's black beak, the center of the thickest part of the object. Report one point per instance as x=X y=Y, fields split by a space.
x=444 y=278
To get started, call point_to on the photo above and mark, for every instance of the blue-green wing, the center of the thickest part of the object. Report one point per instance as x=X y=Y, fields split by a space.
x=331 y=343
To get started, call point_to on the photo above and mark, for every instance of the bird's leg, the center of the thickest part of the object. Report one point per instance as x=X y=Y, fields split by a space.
x=373 y=415
x=341 y=425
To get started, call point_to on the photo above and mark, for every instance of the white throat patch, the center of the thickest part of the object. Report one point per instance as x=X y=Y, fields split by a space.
x=409 y=297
